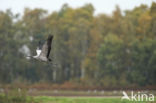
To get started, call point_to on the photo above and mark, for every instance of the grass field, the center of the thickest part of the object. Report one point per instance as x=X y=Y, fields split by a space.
x=14 y=96
x=46 y=99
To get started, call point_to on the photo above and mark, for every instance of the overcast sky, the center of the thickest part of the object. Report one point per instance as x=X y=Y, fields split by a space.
x=101 y=6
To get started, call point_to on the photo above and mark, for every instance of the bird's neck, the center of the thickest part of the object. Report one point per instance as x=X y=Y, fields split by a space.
x=35 y=56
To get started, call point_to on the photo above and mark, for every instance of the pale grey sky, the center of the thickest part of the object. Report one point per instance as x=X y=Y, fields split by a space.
x=101 y=6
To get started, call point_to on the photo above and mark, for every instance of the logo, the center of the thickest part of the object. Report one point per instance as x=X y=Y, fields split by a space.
x=137 y=96
x=125 y=96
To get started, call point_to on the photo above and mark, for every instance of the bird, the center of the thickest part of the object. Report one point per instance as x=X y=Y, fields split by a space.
x=44 y=52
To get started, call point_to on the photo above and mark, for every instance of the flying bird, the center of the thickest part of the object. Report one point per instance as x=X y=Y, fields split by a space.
x=44 y=52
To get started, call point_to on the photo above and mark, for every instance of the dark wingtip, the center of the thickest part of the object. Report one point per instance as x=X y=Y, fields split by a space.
x=50 y=36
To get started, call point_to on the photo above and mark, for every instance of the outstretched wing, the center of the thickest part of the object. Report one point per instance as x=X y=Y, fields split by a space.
x=47 y=47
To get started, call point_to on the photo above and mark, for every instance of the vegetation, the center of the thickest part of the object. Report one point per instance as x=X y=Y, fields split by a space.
x=83 y=100
x=117 y=50
x=16 y=96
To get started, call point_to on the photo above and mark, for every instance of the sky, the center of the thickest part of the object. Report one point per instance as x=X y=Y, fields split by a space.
x=101 y=6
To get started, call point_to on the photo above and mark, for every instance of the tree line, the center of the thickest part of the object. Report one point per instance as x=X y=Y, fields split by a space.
x=96 y=50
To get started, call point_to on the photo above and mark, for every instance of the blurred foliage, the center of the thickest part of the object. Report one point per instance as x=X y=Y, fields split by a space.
x=16 y=96
x=103 y=50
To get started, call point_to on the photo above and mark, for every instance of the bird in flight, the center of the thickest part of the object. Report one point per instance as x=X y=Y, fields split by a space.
x=44 y=52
